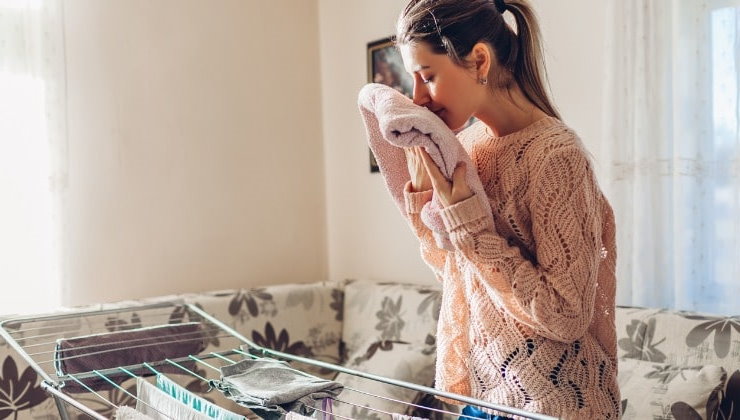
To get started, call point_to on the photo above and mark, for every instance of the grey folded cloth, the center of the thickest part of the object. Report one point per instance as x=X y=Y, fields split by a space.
x=271 y=388
x=124 y=348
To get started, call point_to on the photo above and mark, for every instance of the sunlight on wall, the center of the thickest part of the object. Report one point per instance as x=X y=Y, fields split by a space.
x=28 y=258
x=21 y=4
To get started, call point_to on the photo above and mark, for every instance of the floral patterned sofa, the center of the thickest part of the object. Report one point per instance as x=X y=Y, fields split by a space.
x=672 y=364
x=678 y=365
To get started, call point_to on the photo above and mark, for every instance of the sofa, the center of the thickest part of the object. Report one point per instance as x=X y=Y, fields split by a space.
x=673 y=364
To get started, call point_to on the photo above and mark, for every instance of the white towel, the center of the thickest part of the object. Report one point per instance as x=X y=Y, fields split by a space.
x=125 y=412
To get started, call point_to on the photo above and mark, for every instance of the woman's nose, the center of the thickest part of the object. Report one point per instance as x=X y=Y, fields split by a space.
x=421 y=94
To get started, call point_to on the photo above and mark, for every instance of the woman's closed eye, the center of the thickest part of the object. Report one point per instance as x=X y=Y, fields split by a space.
x=427 y=80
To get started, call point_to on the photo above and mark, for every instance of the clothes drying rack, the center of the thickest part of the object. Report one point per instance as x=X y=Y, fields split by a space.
x=35 y=337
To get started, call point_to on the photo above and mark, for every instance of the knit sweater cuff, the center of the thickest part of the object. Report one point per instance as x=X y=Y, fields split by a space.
x=462 y=213
x=415 y=200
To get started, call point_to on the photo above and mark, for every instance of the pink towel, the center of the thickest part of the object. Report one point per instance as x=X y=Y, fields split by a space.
x=394 y=122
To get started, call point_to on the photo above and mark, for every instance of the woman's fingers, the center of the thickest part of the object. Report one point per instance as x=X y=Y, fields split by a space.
x=432 y=169
x=458 y=177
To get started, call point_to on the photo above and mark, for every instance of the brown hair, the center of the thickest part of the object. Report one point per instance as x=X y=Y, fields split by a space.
x=453 y=27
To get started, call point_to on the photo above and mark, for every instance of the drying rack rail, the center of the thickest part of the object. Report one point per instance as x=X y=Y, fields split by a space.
x=35 y=337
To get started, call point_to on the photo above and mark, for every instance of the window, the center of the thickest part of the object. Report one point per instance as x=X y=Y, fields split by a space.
x=29 y=130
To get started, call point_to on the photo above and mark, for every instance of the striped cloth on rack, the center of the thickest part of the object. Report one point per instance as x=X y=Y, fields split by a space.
x=197 y=403
x=159 y=405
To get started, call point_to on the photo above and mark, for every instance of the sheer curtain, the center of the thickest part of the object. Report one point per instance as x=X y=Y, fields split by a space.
x=672 y=148
x=32 y=153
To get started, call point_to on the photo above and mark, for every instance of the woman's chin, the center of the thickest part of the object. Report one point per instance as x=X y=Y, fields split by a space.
x=456 y=126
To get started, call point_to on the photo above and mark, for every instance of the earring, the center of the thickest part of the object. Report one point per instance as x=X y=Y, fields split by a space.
x=483 y=81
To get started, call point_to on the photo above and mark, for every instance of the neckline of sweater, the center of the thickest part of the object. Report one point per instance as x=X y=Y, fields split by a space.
x=535 y=127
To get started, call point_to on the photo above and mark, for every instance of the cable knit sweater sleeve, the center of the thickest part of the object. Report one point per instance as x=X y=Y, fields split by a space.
x=432 y=255
x=553 y=292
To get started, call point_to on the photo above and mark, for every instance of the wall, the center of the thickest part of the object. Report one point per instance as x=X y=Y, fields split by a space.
x=194 y=147
x=367 y=238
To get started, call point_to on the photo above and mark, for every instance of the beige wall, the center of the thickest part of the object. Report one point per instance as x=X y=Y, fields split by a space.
x=195 y=152
x=367 y=237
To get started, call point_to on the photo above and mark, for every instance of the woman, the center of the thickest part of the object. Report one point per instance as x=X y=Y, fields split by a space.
x=533 y=326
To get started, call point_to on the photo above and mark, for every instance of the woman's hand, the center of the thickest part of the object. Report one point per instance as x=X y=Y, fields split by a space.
x=448 y=192
x=420 y=180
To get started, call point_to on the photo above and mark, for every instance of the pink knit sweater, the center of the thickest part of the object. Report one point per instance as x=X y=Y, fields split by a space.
x=534 y=325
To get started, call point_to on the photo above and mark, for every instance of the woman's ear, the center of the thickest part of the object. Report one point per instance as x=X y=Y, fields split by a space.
x=481 y=57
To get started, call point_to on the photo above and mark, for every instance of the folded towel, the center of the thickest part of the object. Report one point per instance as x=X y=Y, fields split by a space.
x=271 y=388
x=124 y=348
x=393 y=122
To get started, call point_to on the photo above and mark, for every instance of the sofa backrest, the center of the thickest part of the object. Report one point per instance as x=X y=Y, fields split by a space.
x=301 y=319
x=678 y=337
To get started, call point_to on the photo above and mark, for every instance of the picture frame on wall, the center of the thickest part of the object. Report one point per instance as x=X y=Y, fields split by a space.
x=385 y=66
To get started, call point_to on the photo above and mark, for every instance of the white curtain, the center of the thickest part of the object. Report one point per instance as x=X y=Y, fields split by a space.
x=672 y=148
x=32 y=153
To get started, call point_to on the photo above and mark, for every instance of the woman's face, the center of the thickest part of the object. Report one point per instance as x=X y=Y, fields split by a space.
x=440 y=85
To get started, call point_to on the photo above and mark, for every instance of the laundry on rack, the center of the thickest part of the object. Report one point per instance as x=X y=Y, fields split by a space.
x=159 y=405
x=327 y=406
x=125 y=348
x=125 y=412
x=199 y=404
x=271 y=388
x=393 y=122
x=295 y=416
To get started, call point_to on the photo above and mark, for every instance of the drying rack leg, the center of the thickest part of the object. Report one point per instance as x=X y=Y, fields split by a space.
x=63 y=414
x=59 y=396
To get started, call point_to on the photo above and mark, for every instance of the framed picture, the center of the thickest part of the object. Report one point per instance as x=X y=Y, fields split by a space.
x=385 y=66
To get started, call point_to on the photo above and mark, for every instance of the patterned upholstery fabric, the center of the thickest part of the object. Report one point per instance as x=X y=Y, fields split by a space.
x=656 y=345
x=402 y=313
x=660 y=388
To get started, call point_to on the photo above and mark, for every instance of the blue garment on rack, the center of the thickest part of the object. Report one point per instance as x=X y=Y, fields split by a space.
x=471 y=411
x=271 y=388
x=197 y=403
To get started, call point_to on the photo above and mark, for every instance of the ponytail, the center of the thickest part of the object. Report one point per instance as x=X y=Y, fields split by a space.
x=529 y=61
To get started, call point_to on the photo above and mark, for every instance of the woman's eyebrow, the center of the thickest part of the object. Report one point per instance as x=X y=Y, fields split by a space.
x=420 y=67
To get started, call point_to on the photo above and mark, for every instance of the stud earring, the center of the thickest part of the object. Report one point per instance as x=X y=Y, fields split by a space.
x=483 y=81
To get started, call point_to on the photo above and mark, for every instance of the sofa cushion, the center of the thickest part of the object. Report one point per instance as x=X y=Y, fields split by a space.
x=659 y=390
x=633 y=331
x=693 y=339
x=301 y=319
x=403 y=361
x=389 y=312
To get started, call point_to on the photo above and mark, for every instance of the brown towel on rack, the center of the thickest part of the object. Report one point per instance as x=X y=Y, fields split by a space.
x=127 y=348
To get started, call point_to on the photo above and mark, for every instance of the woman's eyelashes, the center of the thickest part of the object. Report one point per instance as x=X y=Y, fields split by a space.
x=427 y=80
